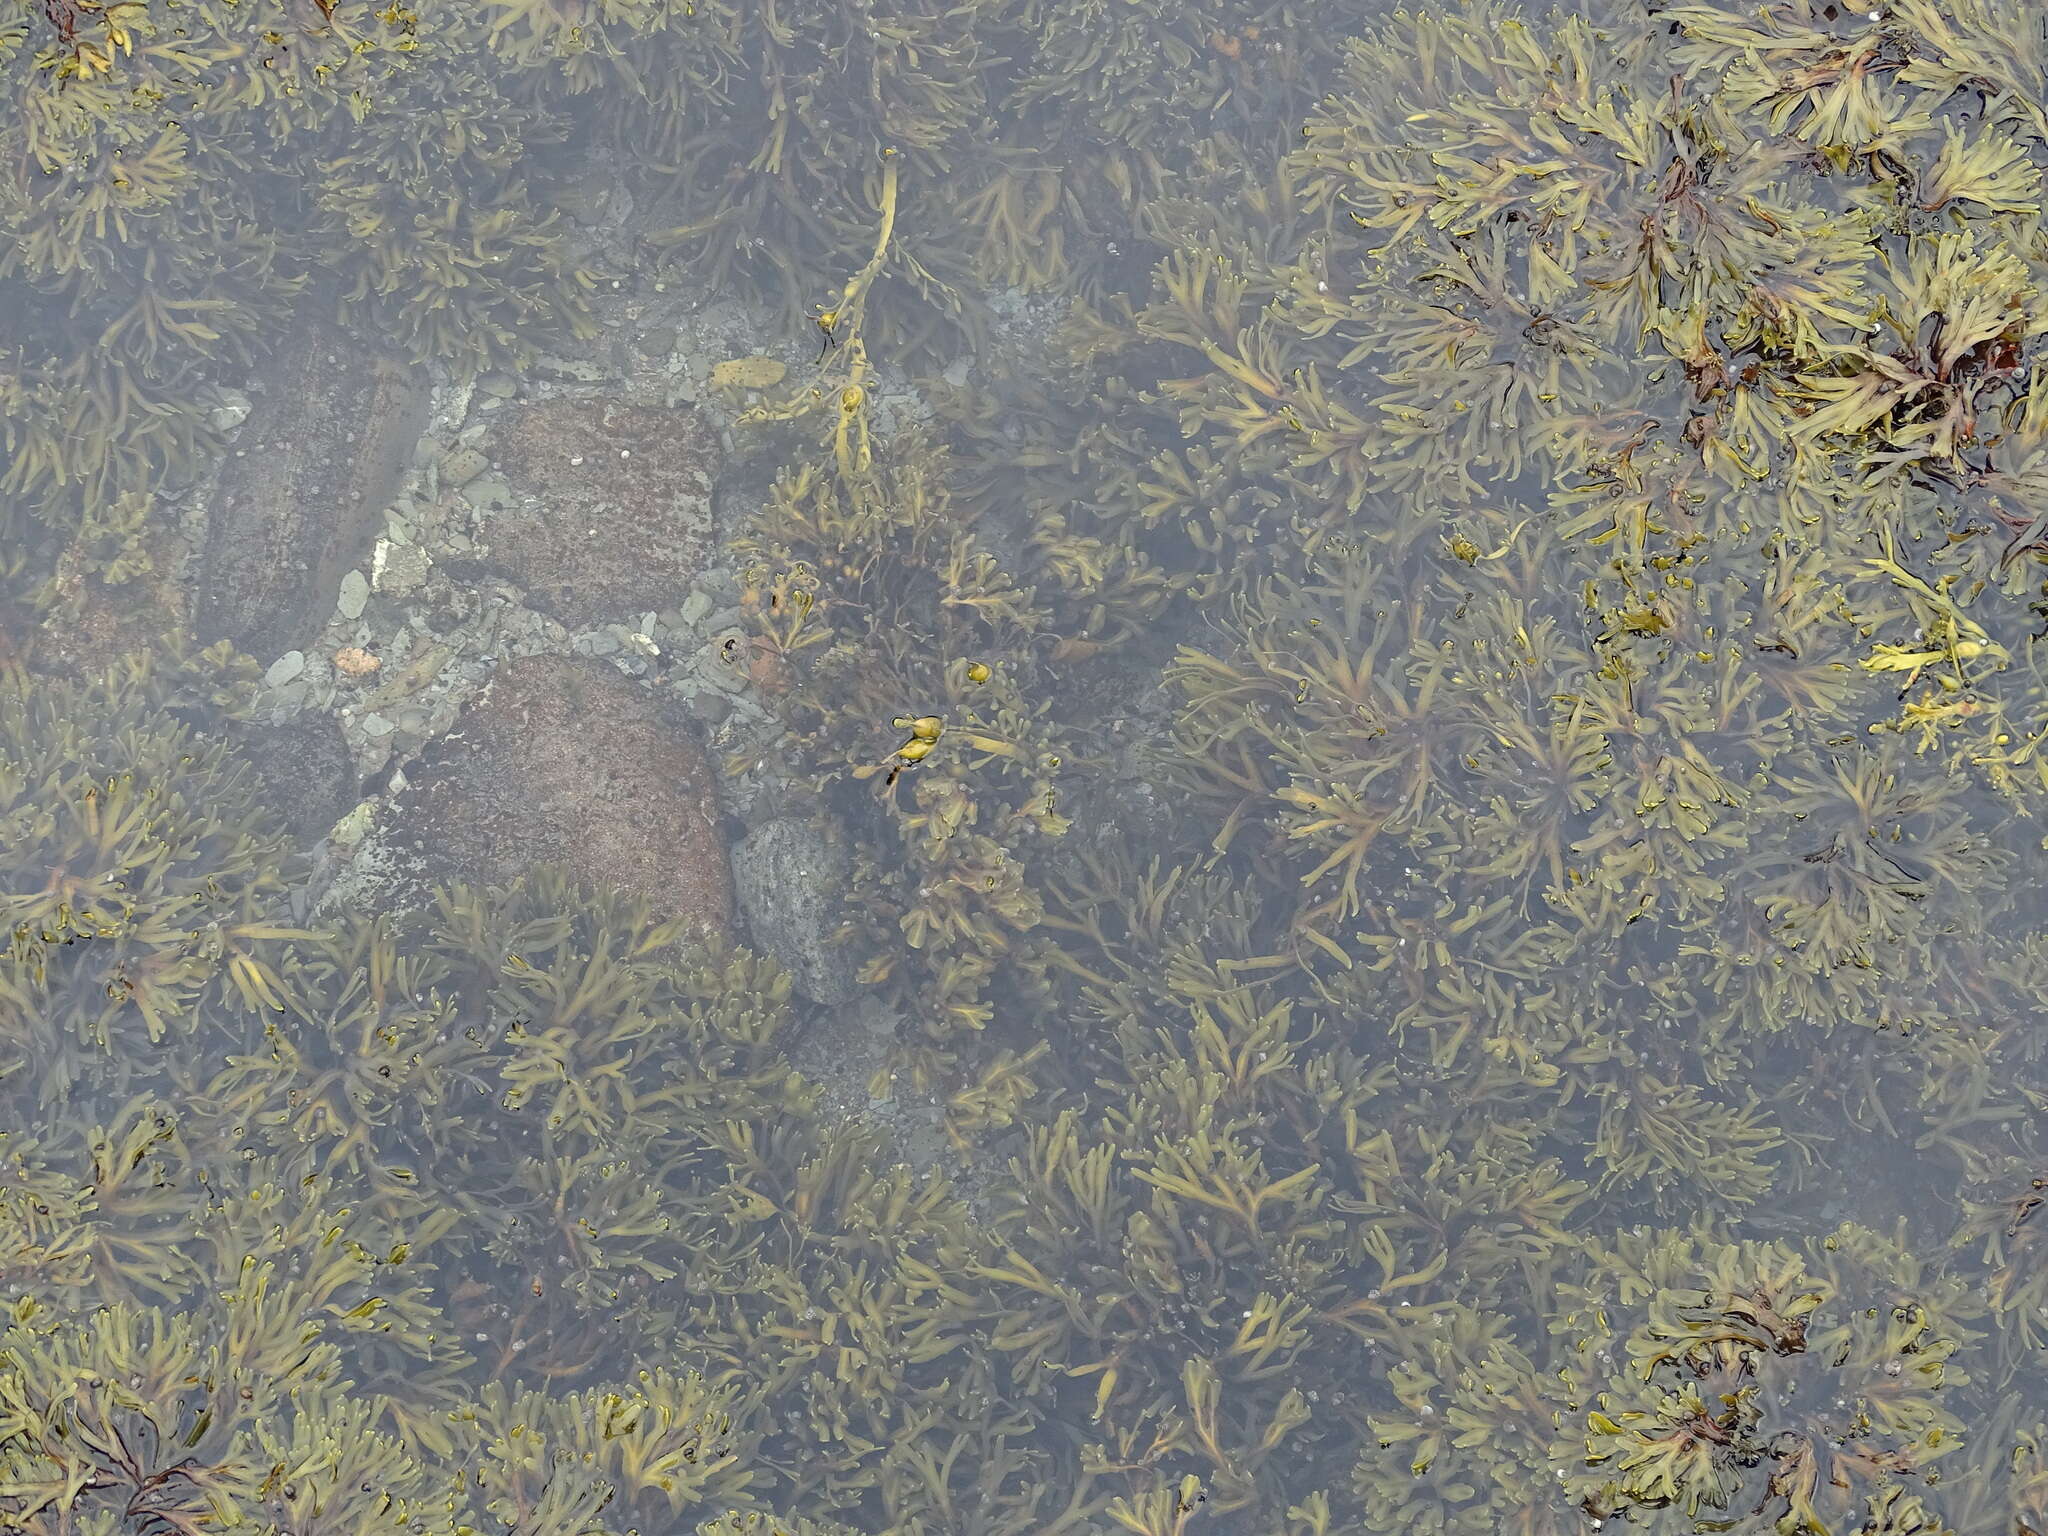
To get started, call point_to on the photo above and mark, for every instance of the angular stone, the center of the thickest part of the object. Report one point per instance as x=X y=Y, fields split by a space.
x=461 y=466
x=711 y=708
x=231 y=408
x=401 y=568
x=487 y=491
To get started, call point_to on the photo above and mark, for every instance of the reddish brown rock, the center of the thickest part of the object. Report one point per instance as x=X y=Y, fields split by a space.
x=565 y=761
x=612 y=513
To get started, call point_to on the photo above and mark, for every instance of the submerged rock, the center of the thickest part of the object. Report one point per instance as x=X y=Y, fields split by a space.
x=323 y=452
x=303 y=771
x=790 y=875
x=564 y=761
x=610 y=507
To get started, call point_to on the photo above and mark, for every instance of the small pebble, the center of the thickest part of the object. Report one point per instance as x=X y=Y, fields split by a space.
x=354 y=595
x=231 y=412
x=285 y=668
x=488 y=491
x=462 y=466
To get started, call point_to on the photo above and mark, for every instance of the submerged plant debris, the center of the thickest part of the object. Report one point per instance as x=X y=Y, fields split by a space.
x=1416 y=637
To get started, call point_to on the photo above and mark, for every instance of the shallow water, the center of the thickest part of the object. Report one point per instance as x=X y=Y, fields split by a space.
x=1028 y=767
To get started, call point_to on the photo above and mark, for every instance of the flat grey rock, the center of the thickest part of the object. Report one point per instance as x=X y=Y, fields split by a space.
x=789 y=876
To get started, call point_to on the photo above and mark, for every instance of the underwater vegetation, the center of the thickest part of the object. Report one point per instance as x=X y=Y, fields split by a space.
x=913 y=658
x=187 y=178
x=512 y=1209
x=1584 y=476
x=184 y=179
x=1782 y=311
x=1545 y=513
x=399 y=1222
x=149 y=881
x=905 y=657
x=509 y=1208
x=1032 y=134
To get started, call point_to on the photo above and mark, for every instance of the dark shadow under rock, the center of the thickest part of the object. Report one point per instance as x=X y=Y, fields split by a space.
x=565 y=761
x=613 y=505
x=304 y=772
